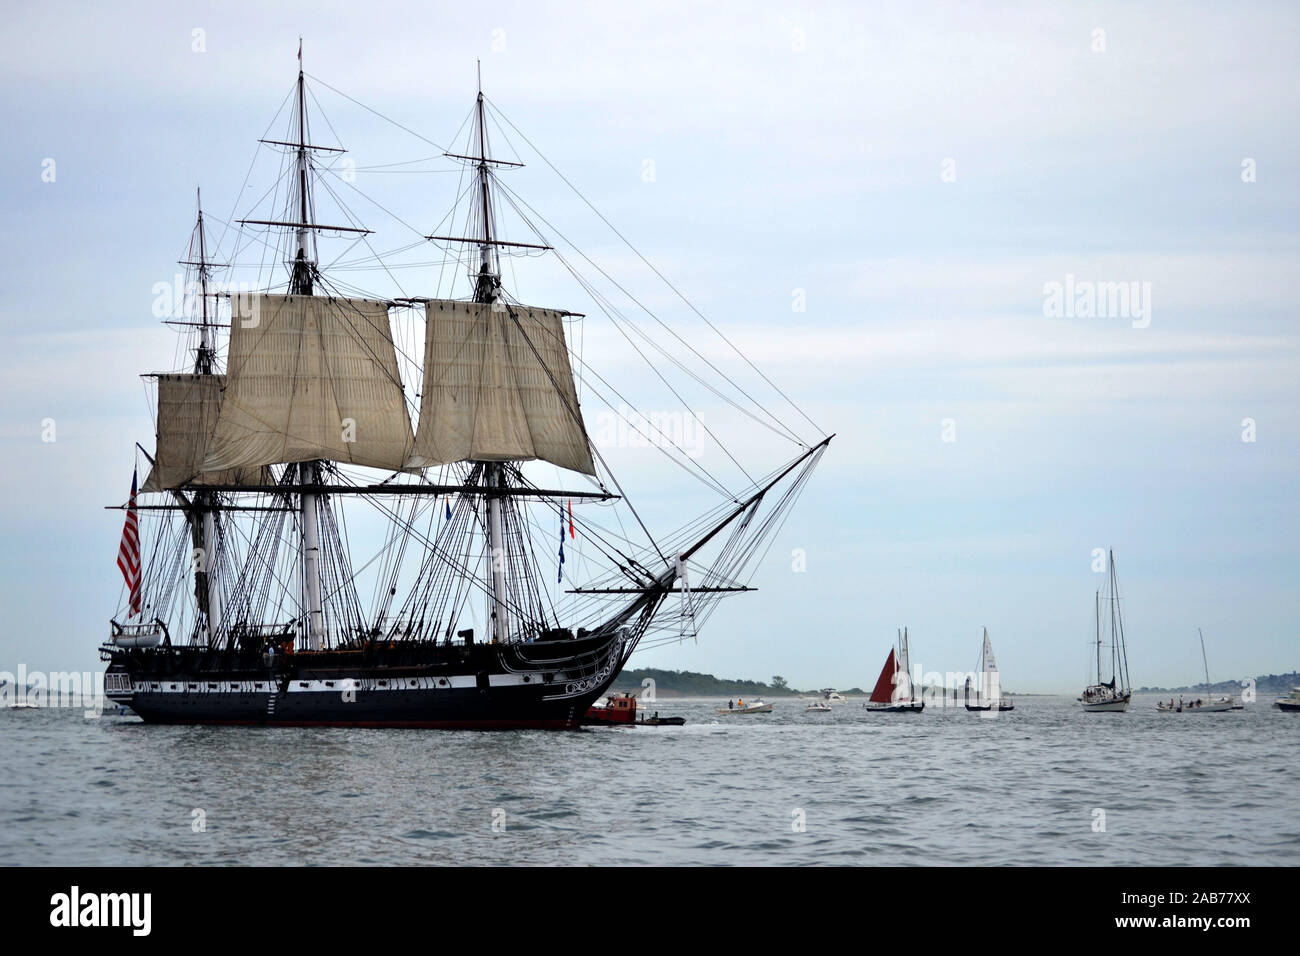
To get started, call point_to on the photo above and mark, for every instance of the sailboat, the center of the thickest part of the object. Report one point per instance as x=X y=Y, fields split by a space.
x=893 y=693
x=243 y=600
x=1111 y=696
x=1202 y=705
x=988 y=695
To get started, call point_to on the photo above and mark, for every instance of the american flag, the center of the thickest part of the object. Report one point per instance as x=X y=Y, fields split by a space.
x=128 y=555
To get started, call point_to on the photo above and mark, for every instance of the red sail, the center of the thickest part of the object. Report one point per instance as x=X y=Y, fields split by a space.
x=884 y=691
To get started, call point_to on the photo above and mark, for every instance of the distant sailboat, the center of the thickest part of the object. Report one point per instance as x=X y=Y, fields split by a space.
x=1111 y=696
x=988 y=695
x=893 y=693
x=1204 y=705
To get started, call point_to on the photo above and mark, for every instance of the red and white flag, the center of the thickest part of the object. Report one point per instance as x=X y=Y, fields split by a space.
x=128 y=555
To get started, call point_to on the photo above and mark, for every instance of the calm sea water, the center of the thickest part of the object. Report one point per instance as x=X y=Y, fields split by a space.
x=943 y=787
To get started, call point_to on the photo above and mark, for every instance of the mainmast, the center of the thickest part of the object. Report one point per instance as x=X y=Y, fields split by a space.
x=487 y=289
x=309 y=471
x=303 y=270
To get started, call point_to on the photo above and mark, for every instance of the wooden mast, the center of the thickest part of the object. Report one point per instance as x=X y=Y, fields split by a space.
x=487 y=289
x=205 y=502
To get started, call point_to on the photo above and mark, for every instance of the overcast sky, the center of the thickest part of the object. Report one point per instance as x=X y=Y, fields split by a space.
x=917 y=176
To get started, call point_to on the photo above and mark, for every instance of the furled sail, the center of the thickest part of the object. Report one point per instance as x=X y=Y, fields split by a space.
x=498 y=387
x=187 y=413
x=310 y=377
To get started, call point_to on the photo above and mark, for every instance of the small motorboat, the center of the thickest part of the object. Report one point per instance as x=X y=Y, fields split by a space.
x=818 y=707
x=1291 y=702
x=657 y=721
x=752 y=707
x=1199 y=706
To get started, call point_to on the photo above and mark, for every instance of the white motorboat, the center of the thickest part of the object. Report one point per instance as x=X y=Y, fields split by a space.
x=818 y=707
x=1291 y=702
x=1199 y=706
x=747 y=707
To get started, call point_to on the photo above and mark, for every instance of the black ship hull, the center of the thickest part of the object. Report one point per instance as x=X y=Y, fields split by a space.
x=546 y=685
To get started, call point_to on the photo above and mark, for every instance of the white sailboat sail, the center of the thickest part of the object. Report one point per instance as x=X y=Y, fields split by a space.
x=990 y=680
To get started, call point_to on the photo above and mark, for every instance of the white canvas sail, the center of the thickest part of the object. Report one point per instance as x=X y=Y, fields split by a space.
x=310 y=377
x=498 y=387
x=188 y=407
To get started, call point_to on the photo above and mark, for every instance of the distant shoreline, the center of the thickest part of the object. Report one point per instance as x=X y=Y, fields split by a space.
x=681 y=684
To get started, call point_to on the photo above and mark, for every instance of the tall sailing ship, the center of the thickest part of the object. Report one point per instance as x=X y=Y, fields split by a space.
x=242 y=601
x=1110 y=696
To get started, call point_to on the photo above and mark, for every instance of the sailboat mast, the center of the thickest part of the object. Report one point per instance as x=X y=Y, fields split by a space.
x=1122 y=647
x=1205 y=662
x=1097 y=609
x=486 y=290
x=1113 y=631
